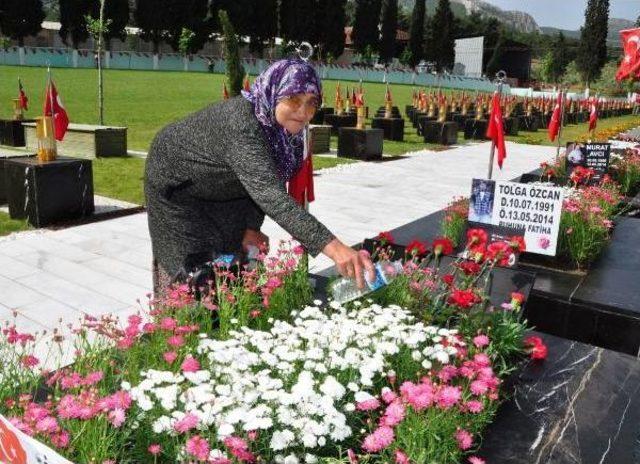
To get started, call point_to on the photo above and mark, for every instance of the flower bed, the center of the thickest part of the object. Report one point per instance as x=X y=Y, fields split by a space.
x=252 y=374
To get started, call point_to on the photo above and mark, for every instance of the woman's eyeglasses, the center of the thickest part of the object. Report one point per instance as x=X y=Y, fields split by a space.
x=295 y=102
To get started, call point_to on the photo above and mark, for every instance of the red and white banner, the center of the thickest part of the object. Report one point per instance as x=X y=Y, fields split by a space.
x=19 y=448
x=630 y=66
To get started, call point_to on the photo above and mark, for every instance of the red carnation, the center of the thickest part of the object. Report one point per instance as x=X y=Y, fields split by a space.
x=442 y=246
x=385 y=238
x=518 y=244
x=477 y=237
x=469 y=267
x=416 y=248
x=517 y=297
x=536 y=347
x=463 y=298
x=499 y=252
x=448 y=279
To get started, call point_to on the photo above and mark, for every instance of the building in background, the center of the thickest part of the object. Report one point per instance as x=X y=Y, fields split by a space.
x=469 y=55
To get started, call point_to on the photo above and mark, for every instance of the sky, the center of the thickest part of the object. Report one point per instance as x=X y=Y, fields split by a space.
x=566 y=14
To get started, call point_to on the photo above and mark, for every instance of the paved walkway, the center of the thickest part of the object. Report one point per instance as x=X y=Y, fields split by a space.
x=48 y=276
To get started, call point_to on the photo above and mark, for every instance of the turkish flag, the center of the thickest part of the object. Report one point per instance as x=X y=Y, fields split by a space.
x=554 y=123
x=59 y=114
x=495 y=129
x=593 y=116
x=630 y=65
x=301 y=184
x=23 y=101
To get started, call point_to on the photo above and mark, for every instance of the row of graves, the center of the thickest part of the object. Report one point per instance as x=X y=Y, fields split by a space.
x=35 y=182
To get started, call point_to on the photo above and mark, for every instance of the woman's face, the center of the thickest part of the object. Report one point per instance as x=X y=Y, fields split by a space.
x=295 y=111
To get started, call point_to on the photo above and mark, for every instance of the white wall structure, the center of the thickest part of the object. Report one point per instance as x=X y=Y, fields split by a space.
x=469 y=52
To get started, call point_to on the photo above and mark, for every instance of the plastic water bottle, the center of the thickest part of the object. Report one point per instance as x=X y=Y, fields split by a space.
x=346 y=289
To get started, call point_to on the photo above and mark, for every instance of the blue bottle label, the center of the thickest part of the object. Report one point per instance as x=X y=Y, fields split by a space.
x=224 y=260
x=380 y=280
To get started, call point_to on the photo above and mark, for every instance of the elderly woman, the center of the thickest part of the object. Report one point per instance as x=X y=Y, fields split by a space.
x=211 y=178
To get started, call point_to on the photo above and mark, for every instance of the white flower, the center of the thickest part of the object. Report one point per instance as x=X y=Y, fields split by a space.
x=281 y=439
x=291 y=459
x=331 y=387
x=310 y=459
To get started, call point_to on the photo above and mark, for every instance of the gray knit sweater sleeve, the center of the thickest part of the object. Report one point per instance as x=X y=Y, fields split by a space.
x=249 y=158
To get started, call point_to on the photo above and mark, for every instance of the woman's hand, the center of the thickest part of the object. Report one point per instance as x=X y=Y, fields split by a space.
x=349 y=262
x=255 y=238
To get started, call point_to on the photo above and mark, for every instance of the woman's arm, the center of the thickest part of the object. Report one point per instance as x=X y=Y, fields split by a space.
x=248 y=156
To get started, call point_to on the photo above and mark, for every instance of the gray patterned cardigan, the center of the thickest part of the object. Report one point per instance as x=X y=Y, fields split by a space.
x=208 y=178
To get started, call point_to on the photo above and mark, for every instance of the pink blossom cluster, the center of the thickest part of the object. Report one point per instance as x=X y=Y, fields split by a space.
x=467 y=385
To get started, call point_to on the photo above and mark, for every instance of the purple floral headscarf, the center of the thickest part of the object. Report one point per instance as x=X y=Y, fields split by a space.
x=282 y=79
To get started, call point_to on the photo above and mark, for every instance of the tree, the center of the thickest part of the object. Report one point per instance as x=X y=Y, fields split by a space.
x=559 y=58
x=116 y=11
x=592 y=54
x=264 y=24
x=298 y=21
x=186 y=15
x=416 y=32
x=20 y=18
x=331 y=24
x=440 y=44
x=73 y=24
x=98 y=28
x=235 y=71
x=238 y=11
x=389 y=30
x=151 y=16
x=638 y=22
x=365 y=27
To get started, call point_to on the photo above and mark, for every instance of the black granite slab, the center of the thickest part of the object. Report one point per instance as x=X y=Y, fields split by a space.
x=12 y=132
x=318 y=118
x=337 y=121
x=362 y=144
x=579 y=406
x=511 y=126
x=3 y=183
x=49 y=192
x=443 y=133
x=475 y=129
x=393 y=128
x=529 y=123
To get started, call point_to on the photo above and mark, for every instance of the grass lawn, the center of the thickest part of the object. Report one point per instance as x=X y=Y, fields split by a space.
x=8 y=225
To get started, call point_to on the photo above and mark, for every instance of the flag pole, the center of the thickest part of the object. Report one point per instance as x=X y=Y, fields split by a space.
x=305 y=52
x=53 y=116
x=562 y=97
x=500 y=76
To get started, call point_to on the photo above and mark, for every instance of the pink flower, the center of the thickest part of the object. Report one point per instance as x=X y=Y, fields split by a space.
x=482 y=360
x=478 y=387
x=464 y=438
x=149 y=327
x=235 y=443
x=175 y=341
x=394 y=414
x=273 y=283
x=92 y=378
x=170 y=356
x=117 y=417
x=544 y=242
x=298 y=250
x=188 y=422
x=480 y=341
x=368 y=405
x=419 y=396
x=388 y=395
x=353 y=459
x=168 y=323
x=190 y=364
x=29 y=361
x=474 y=406
x=198 y=447
x=378 y=440
x=476 y=460
x=154 y=449
x=60 y=440
x=447 y=373
x=448 y=396
x=401 y=457
x=47 y=425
